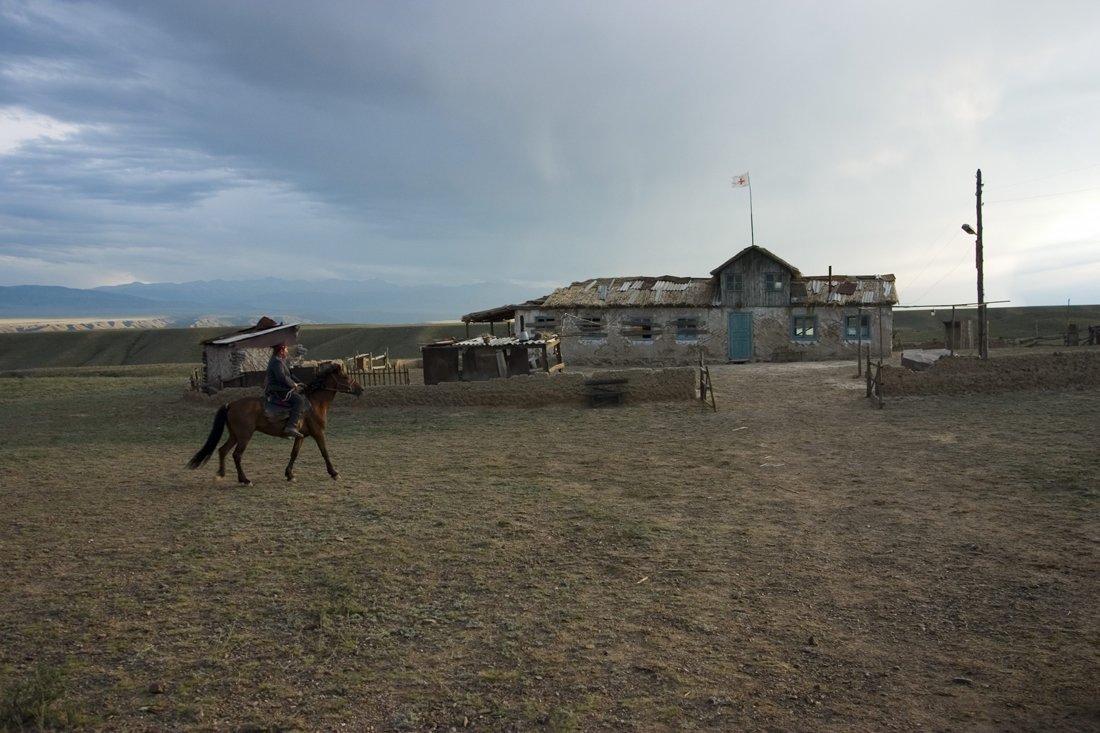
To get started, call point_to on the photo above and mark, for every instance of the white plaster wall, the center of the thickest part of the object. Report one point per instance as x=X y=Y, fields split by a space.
x=225 y=362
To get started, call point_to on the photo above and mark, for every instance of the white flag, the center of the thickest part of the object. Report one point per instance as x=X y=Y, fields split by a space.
x=741 y=181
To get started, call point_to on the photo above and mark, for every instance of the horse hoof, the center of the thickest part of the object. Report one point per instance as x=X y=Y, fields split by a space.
x=245 y=483
x=335 y=476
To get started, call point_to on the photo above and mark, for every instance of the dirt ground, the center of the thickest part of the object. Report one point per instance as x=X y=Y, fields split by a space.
x=799 y=560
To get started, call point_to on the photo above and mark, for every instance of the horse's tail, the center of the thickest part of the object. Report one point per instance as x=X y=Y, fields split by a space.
x=207 y=449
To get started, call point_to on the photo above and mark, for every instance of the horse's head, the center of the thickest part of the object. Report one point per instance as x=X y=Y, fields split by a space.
x=332 y=377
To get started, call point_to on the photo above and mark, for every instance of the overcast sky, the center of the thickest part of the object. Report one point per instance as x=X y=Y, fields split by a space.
x=546 y=142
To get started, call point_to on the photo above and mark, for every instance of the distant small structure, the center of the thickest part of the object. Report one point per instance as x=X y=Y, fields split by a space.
x=489 y=357
x=959 y=334
x=239 y=359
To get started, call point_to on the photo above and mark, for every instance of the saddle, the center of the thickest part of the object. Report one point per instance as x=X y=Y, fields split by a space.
x=276 y=408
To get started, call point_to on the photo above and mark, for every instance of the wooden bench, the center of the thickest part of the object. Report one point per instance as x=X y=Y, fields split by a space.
x=605 y=391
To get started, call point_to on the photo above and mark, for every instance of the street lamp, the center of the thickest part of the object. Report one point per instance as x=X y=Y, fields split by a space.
x=983 y=336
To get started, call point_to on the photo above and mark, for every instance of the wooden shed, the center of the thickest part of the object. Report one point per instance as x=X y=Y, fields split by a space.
x=240 y=359
x=488 y=357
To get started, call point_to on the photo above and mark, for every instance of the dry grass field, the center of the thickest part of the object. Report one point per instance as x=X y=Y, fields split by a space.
x=798 y=561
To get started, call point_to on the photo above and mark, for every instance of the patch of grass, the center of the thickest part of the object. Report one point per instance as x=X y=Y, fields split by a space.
x=495 y=569
x=35 y=702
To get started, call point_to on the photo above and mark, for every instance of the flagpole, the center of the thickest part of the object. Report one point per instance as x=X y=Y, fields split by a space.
x=752 y=232
x=743 y=181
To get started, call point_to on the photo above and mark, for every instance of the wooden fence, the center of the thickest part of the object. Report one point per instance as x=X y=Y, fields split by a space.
x=381 y=376
x=874 y=381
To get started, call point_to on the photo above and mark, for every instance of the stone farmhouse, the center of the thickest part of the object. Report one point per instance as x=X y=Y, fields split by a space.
x=753 y=307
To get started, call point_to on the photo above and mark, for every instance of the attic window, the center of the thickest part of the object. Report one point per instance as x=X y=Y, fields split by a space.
x=638 y=329
x=773 y=282
x=735 y=282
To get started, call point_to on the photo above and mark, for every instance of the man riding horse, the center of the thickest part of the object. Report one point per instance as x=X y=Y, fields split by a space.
x=282 y=388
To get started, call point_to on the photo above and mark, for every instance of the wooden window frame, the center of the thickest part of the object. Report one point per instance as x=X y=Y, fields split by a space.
x=639 y=329
x=689 y=328
x=591 y=327
x=864 y=321
x=804 y=328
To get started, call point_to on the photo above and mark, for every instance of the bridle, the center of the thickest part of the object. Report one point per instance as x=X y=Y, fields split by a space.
x=343 y=384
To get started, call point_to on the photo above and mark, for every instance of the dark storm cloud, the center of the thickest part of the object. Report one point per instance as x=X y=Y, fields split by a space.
x=434 y=141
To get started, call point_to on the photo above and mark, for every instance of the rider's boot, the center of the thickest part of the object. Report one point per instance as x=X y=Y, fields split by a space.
x=291 y=430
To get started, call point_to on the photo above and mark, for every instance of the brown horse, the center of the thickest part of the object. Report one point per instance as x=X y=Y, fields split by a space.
x=246 y=415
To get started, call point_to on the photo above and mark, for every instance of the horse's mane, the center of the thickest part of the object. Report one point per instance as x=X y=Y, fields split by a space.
x=322 y=375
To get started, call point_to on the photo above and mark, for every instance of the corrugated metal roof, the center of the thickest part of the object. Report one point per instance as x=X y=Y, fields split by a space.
x=634 y=292
x=846 y=289
x=253 y=335
x=493 y=341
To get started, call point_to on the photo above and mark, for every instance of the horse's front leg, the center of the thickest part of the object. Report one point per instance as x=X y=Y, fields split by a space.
x=293 y=457
x=323 y=446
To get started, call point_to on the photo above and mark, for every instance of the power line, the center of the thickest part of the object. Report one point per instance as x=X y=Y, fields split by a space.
x=1049 y=175
x=1042 y=196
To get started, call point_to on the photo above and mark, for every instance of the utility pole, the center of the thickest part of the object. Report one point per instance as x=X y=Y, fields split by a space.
x=983 y=335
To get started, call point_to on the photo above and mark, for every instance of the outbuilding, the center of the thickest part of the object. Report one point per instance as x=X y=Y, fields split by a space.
x=240 y=359
x=489 y=357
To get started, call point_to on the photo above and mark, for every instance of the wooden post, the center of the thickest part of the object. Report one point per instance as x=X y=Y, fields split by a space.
x=859 y=341
x=983 y=335
x=868 y=371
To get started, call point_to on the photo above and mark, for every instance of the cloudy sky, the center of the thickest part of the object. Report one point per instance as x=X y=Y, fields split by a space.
x=546 y=142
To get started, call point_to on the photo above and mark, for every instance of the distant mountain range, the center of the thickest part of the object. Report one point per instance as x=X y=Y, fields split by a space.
x=232 y=302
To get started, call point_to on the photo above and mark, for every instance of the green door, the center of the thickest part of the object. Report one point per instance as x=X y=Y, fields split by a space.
x=740 y=336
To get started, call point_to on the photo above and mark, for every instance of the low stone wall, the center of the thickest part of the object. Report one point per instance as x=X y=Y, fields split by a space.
x=540 y=389
x=964 y=374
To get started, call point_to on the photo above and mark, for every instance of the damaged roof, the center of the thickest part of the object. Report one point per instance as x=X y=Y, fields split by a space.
x=635 y=292
x=844 y=290
x=266 y=332
x=501 y=313
x=491 y=342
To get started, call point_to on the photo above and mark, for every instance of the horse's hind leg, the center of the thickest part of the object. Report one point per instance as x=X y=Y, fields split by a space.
x=242 y=443
x=223 y=452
